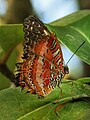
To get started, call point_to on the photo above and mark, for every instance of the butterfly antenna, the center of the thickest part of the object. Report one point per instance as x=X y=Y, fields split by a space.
x=74 y=53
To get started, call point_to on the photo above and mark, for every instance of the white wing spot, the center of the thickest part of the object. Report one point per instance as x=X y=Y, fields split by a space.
x=31 y=28
x=45 y=32
x=33 y=23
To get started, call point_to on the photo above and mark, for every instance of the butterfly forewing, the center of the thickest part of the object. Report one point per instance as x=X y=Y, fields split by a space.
x=42 y=67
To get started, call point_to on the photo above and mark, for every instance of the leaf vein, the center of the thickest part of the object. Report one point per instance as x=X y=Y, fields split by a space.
x=76 y=29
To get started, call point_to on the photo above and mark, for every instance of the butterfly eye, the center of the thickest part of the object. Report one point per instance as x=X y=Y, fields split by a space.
x=66 y=69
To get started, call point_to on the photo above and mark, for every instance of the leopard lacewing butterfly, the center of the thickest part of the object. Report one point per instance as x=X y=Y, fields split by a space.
x=42 y=68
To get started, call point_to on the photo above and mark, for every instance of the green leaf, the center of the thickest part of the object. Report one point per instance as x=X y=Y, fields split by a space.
x=16 y=104
x=10 y=36
x=12 y=60
x=85 y=80
x=74 y=103
x=4 y=82
x=72 y=18
x=75 y=33
x=73 y=111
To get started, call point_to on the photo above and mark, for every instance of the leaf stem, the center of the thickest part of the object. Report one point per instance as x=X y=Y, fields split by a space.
x=6 y=71
x=4 y=68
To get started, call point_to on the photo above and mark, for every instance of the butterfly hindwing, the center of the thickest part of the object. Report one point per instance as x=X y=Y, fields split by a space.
x=42 y=67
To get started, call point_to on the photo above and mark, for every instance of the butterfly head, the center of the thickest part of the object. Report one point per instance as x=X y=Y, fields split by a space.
x=66 y=69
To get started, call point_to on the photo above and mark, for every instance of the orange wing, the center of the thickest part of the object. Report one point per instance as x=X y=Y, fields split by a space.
x=42 y=67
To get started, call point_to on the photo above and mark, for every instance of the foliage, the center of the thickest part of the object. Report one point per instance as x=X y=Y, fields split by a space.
x=74 y=101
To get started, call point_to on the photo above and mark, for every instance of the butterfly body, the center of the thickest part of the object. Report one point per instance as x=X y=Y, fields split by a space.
x=42 y=67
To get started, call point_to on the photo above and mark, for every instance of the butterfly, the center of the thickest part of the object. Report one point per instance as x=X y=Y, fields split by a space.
x=43 y=66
